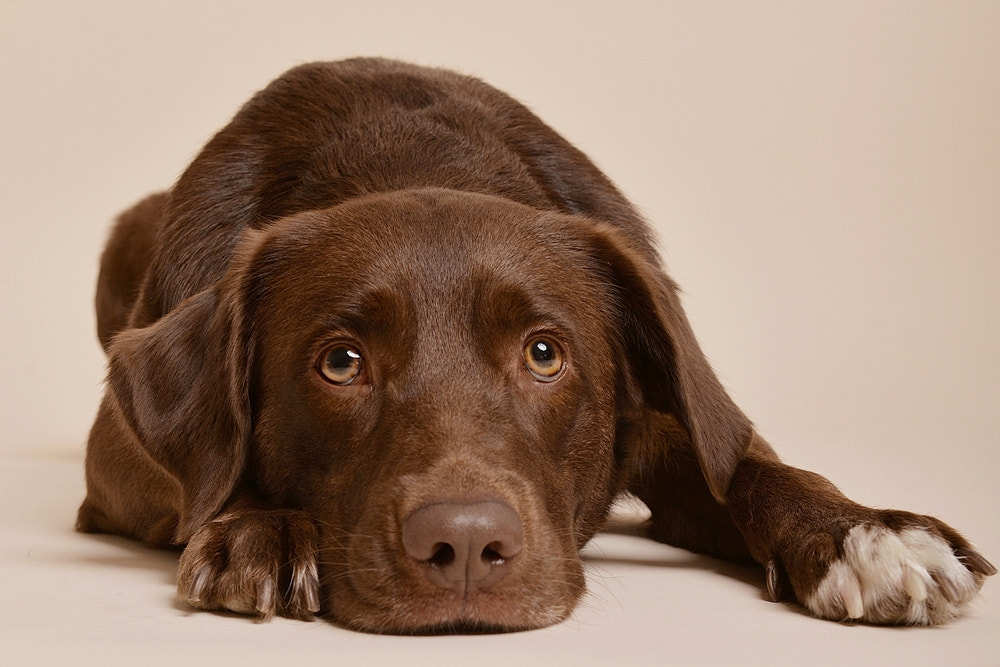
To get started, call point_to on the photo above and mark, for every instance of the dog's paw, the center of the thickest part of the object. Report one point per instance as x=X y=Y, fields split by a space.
x=258 y=562
x=910 y=576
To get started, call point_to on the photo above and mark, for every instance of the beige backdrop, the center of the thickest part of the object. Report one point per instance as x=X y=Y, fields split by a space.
x=825 y=181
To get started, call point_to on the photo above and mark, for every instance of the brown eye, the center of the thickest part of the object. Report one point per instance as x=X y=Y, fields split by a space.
x=341 y=364
x=544 y=359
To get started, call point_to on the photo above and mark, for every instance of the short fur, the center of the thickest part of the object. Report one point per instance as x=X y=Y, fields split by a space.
x=435 y=227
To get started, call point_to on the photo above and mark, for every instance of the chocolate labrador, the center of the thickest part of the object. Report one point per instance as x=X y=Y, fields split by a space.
x=390 y=347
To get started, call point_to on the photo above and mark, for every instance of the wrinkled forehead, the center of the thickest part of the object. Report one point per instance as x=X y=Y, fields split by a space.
x=438 y=253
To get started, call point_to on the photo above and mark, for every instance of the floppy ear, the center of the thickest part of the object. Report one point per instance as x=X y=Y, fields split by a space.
x=672 y=373
x=182 y=387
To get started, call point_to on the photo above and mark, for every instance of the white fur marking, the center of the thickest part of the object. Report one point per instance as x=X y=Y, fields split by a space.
x=910 y=577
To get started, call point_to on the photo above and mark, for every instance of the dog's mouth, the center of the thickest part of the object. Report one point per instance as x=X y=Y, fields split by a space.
x=460 y=627
x=428 y=618
x=405 y=603
x=467 y=628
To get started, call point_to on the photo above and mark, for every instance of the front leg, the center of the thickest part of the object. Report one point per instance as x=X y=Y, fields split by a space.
x=844 y=561
x=253 y=561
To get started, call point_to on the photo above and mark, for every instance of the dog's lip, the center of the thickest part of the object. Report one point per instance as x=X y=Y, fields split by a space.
x=464 y=627
x=461 y=623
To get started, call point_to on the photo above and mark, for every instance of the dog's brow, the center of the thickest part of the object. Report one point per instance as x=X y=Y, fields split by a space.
x=377 y=312
x=515 y=308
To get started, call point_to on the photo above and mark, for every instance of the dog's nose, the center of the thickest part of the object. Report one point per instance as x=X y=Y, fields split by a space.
x=464 y=546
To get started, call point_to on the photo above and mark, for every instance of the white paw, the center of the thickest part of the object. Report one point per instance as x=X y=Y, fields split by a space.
x=911 y=577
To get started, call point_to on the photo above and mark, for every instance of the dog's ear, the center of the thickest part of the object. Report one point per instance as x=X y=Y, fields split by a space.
x=182 y=385
x=667 y=366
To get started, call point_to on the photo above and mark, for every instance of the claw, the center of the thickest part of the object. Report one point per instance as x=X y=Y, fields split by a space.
x=913 y=582
x=975 y=562
x=850 y=595
x=773 y=580
x=312 y=589
x=305 y=582
x=265 y=599
x=948 y=587
x=198 y=583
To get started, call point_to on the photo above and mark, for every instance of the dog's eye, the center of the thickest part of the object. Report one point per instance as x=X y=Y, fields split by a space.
x=544 y=359
x=341 y=364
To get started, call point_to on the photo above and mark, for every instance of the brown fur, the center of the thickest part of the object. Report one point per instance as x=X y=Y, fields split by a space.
x=437 y=226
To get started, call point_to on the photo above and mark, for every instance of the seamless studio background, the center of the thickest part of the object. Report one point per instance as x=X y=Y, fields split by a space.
x=824 y=179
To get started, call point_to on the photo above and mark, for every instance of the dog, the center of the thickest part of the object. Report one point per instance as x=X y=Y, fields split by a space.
x=389 y=349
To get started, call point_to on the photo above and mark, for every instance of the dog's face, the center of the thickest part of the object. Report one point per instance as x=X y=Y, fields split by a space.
x=432 y=349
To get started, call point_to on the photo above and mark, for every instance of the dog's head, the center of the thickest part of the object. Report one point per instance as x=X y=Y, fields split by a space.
x=454 y=387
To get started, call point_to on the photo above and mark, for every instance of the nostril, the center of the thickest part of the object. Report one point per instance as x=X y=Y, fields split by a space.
x=491 y=554
x=444 y=555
